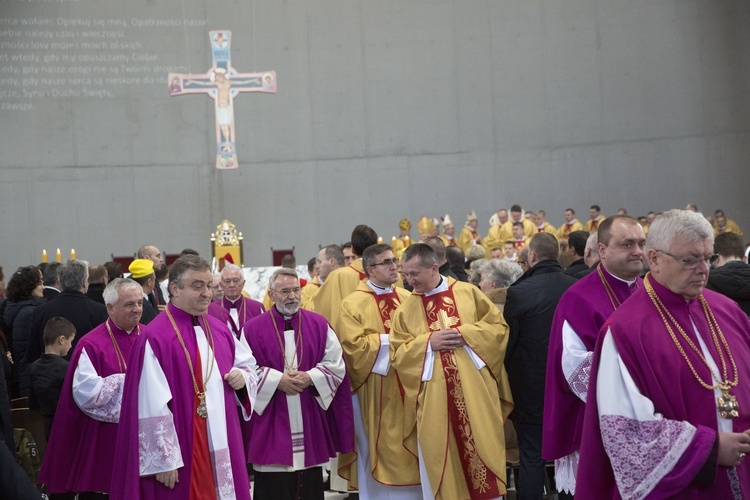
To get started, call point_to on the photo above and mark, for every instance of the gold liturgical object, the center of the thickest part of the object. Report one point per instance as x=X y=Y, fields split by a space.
x=226 y=244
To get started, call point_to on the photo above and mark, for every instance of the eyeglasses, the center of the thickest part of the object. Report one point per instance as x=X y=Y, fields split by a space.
x=234 y=281
x=285 y=292
x=690 y=263
x=386 y=263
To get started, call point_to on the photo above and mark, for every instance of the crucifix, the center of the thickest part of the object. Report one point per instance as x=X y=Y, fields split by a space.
x=222 y=83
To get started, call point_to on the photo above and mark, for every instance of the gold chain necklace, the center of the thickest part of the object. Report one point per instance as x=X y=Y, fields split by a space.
x=201 y=408
x=289 y=366
x=726 y=403
x=121 y=364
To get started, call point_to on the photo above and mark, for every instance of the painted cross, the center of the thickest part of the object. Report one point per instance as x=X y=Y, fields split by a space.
x=222 y=83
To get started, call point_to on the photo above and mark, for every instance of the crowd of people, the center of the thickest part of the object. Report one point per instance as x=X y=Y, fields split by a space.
x=614 y=350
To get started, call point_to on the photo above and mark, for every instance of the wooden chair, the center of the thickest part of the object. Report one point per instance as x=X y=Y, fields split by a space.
x=34 y=422
x=19 y=402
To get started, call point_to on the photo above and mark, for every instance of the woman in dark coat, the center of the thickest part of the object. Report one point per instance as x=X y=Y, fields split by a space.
x=24 y=292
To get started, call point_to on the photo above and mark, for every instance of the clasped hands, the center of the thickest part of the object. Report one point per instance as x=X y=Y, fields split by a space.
x=446 y=340
x=294 y=383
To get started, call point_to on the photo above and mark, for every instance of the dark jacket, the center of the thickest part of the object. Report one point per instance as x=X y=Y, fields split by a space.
x=461 y=274
x=50 y=293
x=18 y=317
x=445 y=270
x=47 y=377
x=96 y=292
x=149 y=313
x=529 y=308
x=576 y=267
x=84 y=313
x=733 y=280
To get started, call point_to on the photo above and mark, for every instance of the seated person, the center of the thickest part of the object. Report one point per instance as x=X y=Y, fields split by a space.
x=48 y=372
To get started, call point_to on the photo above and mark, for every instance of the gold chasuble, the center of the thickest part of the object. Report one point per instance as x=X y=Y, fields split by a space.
x=366 y=315
x=593 y=224
x=339 y=284
x=308 y=292
x=496 y=237
x=457 y=409
x=566 y=229
x=466 y=238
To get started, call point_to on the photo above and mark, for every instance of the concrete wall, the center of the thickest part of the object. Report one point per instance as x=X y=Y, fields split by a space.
x=385 y=109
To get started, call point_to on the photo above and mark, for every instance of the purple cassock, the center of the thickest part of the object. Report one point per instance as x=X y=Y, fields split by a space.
x=160 y=336
x=585 y=306
x=246 y=308
x=325 y=431
x=639 y=449
x=81 y=448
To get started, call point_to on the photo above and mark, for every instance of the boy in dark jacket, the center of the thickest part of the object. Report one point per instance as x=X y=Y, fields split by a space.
x=48 y=372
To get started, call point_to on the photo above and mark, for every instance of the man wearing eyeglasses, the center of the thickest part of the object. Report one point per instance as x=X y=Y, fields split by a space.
x=668 y=408
x=579 y=316
x=303 y=411
x=234 y=309
x=448 y=343
x=386 y=465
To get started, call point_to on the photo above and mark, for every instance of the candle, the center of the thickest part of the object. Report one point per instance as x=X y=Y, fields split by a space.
x=58 y=256
x=72 y=254
x=44 y=255
x=380 y=240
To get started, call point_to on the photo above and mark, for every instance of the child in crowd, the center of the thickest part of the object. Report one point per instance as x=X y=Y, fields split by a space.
x=48 y=372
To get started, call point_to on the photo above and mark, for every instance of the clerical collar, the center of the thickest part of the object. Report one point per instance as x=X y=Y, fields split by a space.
x=441 y=287
x=235 y=300
x=286 y=318
x=379 y=290
x=321 y=280
x=122 y=330
x=620 y=279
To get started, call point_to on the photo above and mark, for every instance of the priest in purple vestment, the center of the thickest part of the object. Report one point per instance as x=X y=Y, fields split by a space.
x=179 y=433
x=234 y=309
x=81 y=447
x=303 y=412
x=668 y=407
x=579 y=316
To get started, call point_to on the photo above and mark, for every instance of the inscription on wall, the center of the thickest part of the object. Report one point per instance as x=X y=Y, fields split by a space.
x=52 y=57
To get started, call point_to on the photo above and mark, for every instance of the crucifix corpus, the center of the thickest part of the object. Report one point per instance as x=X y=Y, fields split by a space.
x=222 y=83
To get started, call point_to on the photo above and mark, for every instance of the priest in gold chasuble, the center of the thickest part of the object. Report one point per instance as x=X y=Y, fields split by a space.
x=385 y=465
x=448 y=344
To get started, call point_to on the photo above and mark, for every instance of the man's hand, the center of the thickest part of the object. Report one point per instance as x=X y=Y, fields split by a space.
x=303 y=379
x=168 y=479
x=290 y=385
x=235 y=379
x=446 y=340
x=732 y=448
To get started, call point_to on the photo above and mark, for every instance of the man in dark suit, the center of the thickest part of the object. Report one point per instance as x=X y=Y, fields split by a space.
x=142 y=272
x=72 y=304
x=51 y=281
x=156 y=297
x=529 y=309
